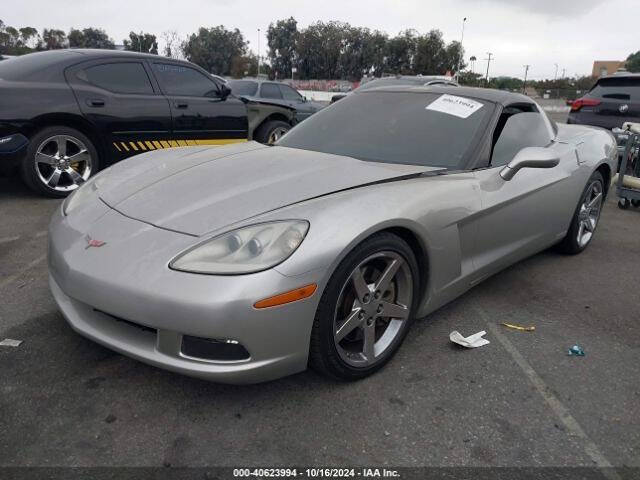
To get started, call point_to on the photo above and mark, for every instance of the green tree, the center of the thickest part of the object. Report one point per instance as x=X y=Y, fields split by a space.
x=633 y=62
x=506 y=83
x=90 y=38
x=319 y=49
x=9 y=40
x=53 y=39
x=401 y=52
x=362 y=53
x=142 y=42
x=29 y=35
x=470 y=79
x=282 y=38
x=245 y=66
x=431 y=55
x=454 y=57
x=215 y=48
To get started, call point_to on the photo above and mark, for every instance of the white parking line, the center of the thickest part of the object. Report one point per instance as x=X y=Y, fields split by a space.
x=9 y=239
x=40 y=234
x=7 y=280
x=562 y=412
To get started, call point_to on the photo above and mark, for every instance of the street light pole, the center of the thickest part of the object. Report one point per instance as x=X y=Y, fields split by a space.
x=258 y=52
x=524 y=83
x=486 y=78
x=461 y=50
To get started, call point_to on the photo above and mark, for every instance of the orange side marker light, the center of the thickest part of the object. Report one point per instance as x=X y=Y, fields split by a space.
x=287 y=297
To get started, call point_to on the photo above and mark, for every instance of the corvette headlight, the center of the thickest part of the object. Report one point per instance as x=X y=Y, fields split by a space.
x=245 y=250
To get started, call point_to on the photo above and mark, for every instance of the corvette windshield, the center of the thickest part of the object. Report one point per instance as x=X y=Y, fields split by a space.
x=395 y=127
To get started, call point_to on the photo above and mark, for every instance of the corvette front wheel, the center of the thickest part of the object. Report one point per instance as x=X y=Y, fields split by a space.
x=366 y=309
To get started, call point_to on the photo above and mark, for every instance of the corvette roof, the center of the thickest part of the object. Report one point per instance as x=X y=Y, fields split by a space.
x=501 y=97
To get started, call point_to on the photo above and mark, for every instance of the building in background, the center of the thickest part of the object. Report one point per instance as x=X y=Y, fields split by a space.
x=606 y=67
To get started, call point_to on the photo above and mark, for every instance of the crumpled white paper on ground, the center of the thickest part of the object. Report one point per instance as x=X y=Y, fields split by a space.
x=9 y=342
x=472 y=341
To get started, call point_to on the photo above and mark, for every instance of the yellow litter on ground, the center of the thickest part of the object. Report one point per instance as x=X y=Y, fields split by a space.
x=519 y=327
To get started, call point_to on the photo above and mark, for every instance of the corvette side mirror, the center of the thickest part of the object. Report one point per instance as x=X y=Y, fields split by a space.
x=530 y=157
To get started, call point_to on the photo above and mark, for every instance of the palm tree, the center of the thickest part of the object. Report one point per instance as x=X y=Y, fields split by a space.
x=473 y=63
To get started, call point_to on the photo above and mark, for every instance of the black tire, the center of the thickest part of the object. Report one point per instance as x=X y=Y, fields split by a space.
x=623 y=203
x=29 y=169
x=635 y=203
x=569 y=243
x=323 y=354
x=265 y=131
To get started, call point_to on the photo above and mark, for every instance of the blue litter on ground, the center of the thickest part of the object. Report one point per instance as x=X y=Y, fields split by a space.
x=577 y=351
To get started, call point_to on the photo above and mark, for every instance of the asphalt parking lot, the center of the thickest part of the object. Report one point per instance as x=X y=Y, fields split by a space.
x=519 y=401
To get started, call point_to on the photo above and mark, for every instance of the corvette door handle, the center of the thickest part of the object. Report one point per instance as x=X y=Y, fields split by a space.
x=95 y=102
x=180 y=104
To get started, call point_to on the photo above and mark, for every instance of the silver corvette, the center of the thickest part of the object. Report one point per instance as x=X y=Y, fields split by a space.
x=250 y=262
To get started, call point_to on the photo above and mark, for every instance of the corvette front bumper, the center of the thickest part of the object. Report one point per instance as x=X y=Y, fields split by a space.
x=123 y=296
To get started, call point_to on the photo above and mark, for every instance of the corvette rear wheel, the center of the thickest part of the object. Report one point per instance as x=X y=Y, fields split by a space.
x=366 y=309
x=586 y=217
x=58 y=160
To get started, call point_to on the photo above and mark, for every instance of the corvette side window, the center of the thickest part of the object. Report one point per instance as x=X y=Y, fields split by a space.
x=515 y=131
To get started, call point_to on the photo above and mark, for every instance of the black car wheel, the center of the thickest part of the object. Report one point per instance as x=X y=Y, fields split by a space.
x=366 y=309
x=271 y=131
x=58 y=160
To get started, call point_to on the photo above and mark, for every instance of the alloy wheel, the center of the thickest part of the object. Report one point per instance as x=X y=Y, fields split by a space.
x=276 y=134
x=62 y=163
x=589 y=212
x=373 y=308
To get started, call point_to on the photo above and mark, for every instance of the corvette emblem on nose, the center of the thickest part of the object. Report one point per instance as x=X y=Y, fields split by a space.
x=92 y=242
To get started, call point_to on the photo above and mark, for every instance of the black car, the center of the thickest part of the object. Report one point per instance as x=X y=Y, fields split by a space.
x=612 y=101
x=417 y=80
x=65 y=114
x=275 y=92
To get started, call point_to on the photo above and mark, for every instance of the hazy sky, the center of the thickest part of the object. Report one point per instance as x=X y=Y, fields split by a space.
x=571 y=33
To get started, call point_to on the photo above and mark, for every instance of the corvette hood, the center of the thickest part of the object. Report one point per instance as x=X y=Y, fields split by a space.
x=199 y=190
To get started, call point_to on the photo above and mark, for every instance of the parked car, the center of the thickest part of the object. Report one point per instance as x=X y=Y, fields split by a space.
x=612 y=101
x=416 y=80
x=65 y=114
x=248 y=262
x=275 y=92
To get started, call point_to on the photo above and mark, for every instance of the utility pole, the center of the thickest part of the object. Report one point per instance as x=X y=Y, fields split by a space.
x=488 y=59
x=555 y=81
x=461 y=50
x=563 y=70
x=258 y=53
x=524 y=84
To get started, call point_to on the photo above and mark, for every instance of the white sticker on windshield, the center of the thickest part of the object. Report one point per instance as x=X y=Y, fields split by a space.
x=458 y=106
